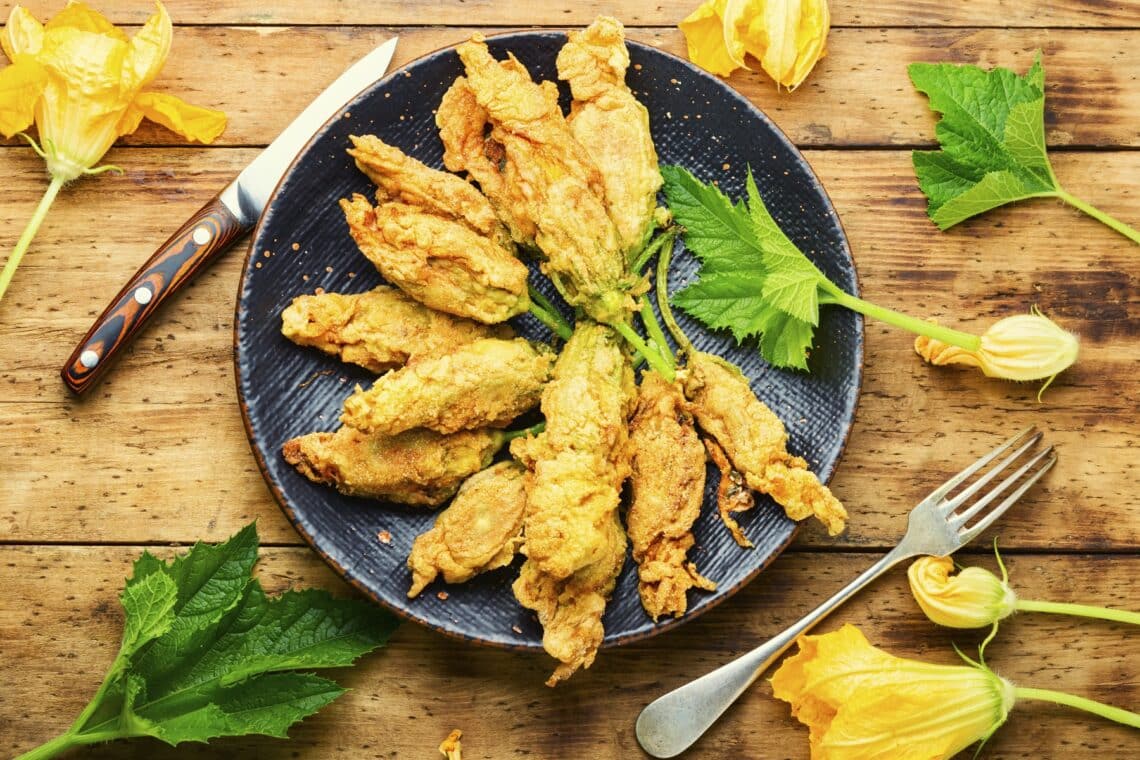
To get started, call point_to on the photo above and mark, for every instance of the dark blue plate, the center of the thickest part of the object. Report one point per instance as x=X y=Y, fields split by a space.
x=302 y=244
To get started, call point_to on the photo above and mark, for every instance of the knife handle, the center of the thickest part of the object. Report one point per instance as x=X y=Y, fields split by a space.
x=206 y=234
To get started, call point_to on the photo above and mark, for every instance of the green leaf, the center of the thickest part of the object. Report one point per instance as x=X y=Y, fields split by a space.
x=753 y=280
x=992 y=138
x=792 y=284
x=205 y=652
x=211 y=580
x=717 y=231
x=149 y=605
x=268 y=705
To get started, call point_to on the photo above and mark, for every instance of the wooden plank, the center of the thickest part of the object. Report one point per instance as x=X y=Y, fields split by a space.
x=61 y=623
x=163 y=433
x=858 y=96
x=1012 y=13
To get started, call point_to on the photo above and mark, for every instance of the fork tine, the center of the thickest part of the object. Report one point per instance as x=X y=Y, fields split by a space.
x=971 y=533
x=953 y=482
x=957 y=520
x=976 y=486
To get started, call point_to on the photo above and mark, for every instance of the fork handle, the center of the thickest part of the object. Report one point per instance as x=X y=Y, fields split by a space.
x=671 y=723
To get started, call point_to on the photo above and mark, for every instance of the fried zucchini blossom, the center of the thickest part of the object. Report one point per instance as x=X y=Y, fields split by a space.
x=481 y=530
x=486 y=383
x=380 y=329
x=667 y=488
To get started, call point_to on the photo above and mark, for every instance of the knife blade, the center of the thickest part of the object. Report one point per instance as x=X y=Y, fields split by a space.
x=212 y=229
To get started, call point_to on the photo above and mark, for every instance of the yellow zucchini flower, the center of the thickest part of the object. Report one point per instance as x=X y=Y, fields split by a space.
x=81 y=81
x=973 y=598
x=788 y=37
x=1023 y=347
x=862 y=703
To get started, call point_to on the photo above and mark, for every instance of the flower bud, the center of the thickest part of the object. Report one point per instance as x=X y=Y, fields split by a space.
x=973 y=598
x=1023 y=347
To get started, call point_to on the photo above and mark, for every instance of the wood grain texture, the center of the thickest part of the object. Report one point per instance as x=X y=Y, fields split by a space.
x=157 y=454
x=1011 y=13
x=859 y=95
x=61 y=624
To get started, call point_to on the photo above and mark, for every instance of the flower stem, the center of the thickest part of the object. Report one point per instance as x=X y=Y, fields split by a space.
x=662 y=288
x=64 y=742
x=833 y=294
x=29 y=233
x=1059 y=697
x=555 y=324
x=655 y=359
x=1100 y=216
x=1082 y=610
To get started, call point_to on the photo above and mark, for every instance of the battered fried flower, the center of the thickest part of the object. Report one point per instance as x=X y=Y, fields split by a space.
x=755 y=440
x=667 y=485
x=732 y=493
x=570 y=610
x=486 y=383
x=438 y=261
x=399 y=177
x=481 y=530
x=417 y=467
x=612 y=126
x=379 y=330
x=538 y=177
x=578 y=464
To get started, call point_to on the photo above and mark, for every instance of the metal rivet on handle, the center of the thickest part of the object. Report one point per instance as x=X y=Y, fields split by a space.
x=89 y=359
x=143 y=295
x=201 y=235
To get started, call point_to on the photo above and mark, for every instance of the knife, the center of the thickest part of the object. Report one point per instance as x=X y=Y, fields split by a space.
x=213 y=229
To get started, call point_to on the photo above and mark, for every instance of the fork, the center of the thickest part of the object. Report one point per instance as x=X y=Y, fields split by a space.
x=937 y=526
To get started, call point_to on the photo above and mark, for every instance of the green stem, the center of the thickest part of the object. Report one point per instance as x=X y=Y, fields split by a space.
x=510 y=435
x=1082 y=610
x=554 y=323
x=662 y=288
x=1099 y=215
x=833 y=294
x=29 y=233
x=655 y=359
x=654 y=331
x=1059 y=697
x=648 y=252
x=61 y=744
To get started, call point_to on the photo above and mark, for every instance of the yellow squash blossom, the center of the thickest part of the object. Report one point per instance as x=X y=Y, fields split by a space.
x=973 y=598
x=788 y=37
x=862 y=703
x=81 y=81
x=1023 y=347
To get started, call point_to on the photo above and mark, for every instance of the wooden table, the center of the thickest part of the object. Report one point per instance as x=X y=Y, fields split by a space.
x=157 y=456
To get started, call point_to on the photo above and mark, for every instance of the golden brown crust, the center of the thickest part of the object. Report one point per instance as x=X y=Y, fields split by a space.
x=612 y=126
x=486 y=383
x=380 y=329
x=481 y=530
x=578 y=464
x=417 y=467
x=667 y=488
x=570 y=609
x=755 y=441
x=439 y=262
